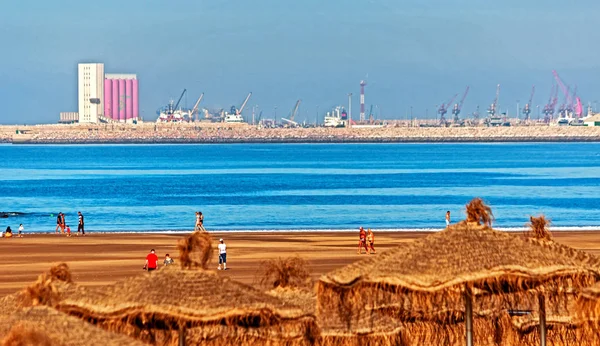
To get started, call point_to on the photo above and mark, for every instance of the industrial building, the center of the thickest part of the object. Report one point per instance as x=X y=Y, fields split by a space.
x=90 y=90
x=121 y=97
x=104 y=97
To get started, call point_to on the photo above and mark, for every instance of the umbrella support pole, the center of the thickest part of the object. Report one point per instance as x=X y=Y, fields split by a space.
x=181 y=336
x=469 y=316
x=542 y=313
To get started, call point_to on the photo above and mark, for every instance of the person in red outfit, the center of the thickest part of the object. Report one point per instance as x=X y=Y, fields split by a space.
x=151 y=261
x=362 y=241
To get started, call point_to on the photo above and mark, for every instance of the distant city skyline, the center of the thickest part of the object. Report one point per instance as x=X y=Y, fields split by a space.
x=413 y=55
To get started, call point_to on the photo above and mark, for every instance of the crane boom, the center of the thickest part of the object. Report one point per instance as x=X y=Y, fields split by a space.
x=244 y=104
x=178 y=101
x=295 y=110
x=458 y=107
x=195 y=109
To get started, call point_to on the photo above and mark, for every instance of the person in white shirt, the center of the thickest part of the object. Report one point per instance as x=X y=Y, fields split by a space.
x=21 y=229
x=222 y=254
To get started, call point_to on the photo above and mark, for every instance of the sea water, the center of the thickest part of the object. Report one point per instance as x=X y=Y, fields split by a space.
x=269 y=187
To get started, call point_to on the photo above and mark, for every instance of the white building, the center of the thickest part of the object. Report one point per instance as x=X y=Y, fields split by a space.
x=90 y=89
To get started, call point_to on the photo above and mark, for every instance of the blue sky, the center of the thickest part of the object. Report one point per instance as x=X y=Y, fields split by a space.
x=415 y=53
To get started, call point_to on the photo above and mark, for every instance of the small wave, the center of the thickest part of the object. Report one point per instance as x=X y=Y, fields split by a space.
x=7 y=214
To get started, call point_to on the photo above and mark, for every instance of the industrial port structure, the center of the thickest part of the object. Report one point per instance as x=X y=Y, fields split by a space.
x=114 y=98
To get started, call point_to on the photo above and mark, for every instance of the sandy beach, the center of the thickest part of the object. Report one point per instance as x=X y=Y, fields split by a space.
x=99 y=259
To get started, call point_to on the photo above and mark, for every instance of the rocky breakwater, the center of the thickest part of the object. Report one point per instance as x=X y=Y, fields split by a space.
x=250 y=134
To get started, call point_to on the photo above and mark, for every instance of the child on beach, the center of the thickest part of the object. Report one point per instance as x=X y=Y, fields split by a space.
x=371 y=241
x=68 y=231
x=362 y=241
x=21 y=228
x=168 y=260
x=448 y=218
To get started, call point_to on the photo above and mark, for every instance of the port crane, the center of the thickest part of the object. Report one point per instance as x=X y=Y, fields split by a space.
x=492 y=111
x=239 y=111
x=567 y=106
x=444 y=109
x=195 y=109
x=371 y=120
x=551 y=105
x=458 y=106
x=291 y=120
x=527 y=108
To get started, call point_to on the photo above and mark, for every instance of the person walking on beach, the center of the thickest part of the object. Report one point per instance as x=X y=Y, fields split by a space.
x=222 y=254
x=200 y=222
x=58 y=222
x=68 y=231
x=21 y=228
x=80 y=225
x=168 y=260
x=151 y=261
x=448 y=218
x=362 y=241
x=371 y=241
x=63 y=223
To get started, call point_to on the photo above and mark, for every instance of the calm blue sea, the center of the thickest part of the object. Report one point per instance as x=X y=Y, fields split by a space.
x=296 y=187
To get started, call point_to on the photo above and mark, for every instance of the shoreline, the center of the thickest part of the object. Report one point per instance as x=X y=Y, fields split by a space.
x=559 y=229
x=408 y=140
x=221 y=133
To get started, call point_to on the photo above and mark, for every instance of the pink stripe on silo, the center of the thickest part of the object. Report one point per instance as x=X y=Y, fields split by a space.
x=121 y=100
x=115 y=99
x=128 y=103
x=107 y=98
x=134 y=96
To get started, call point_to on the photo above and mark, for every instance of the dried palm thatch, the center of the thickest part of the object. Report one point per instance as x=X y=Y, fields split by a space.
x=195 y=250
x=588 y=304
x=43 y=325
x=285 y=272
x=479 y=212
x=428 y=279
x=538 y=228
x=303 y=298
x=44 y=291
x=155 y=307
x=23 y=335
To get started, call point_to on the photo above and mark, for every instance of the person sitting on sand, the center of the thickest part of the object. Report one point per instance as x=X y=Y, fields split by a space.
x=8 y=232
x=371 y=241
x=151 y=261
x=362 y=240
x=21 y=228
x=168 y=260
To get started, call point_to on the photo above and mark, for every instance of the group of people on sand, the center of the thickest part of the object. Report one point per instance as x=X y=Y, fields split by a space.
x=62 y=224
x=366 y=240
x=152 y=258
x=9 y=234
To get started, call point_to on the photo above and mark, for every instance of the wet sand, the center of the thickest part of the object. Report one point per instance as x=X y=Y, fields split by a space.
x=99 y=259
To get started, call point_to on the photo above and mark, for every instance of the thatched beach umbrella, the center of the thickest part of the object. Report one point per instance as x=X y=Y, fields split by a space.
x=201 y=305
x=42 y=325
x=438 y=277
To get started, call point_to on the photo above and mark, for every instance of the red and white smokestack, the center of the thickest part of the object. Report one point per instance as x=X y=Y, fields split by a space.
x=362 y=100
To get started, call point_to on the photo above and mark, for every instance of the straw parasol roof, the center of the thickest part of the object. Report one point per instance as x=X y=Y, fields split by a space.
x=42 y=325
x=211 y=309
x=428 y=278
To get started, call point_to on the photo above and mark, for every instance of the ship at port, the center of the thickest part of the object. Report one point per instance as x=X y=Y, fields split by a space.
x=336 y=117
x=172 y=113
